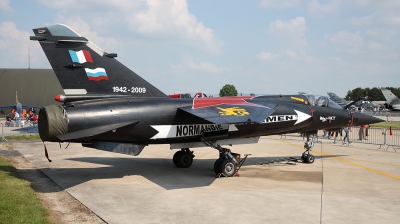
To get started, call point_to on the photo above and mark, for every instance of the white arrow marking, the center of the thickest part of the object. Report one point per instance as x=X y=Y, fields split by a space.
x=301 y=116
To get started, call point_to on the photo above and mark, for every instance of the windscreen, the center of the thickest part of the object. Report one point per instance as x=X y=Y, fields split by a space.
x=322 y=101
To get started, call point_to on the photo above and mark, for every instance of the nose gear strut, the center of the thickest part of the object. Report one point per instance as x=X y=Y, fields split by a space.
x=306 y=157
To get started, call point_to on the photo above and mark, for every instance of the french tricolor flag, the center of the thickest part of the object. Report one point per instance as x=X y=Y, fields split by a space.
x=81 y=56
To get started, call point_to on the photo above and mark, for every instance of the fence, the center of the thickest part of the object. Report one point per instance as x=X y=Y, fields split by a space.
x=375 y=136
x=11 y=129
x=392 y=139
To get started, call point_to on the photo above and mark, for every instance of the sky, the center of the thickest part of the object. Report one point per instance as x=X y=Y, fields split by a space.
x=188 y=46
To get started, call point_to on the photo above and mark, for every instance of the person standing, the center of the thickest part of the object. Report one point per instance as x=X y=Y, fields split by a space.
x=16 y=118
x=361 y=133
x=336 y=135
x=346 y=135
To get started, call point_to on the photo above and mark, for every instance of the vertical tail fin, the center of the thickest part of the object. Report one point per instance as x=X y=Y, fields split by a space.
x=83 y=68
x=334 y=97
x=389 y=96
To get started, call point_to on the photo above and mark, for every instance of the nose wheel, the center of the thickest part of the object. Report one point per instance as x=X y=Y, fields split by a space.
x=307 y=158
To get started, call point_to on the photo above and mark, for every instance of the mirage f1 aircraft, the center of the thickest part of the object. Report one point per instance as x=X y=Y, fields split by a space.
x=109 y=107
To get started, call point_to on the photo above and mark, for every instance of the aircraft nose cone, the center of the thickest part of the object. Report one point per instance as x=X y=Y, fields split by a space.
x=360 y=119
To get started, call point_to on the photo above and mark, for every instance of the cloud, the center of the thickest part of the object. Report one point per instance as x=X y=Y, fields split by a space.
x=167 y=20
x=380 y=18
x=291 y=54
x=290 y=37
x=375 y=46
x=347 y=41
x=5 y=6
x=15 y=46
x=172 y=19
x=204 y=66
x=123 y=5
x=294 y=29
x=373 y=5
x=81 y=27
x=382 y=34
x=322 y=9
x=279 y=3
x=266 y=56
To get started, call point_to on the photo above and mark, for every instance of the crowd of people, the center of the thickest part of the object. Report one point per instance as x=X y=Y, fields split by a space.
x=362 y=134
x=16 y=119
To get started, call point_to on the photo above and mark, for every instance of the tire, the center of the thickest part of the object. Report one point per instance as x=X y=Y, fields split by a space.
x=303 y=157
x=175 y=158
x=216 y=165
x=227 y=167
x=309 y=158
x=184 y=159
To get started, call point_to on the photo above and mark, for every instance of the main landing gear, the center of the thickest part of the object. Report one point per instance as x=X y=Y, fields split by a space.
x=227 y=165
x=306 y=157
x=183 y=158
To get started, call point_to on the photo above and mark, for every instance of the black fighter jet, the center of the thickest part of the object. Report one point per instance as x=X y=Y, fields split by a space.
x=109 y=107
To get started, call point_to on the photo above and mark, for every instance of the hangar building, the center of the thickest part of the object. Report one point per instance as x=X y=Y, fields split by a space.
x=36 y=87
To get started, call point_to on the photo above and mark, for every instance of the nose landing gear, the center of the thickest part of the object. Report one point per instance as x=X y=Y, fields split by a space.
x=306 y=157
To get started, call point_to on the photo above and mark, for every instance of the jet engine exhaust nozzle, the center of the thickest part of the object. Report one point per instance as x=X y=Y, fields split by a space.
x=52 y=122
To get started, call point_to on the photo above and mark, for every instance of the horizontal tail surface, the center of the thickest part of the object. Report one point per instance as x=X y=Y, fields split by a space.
x=83 y=68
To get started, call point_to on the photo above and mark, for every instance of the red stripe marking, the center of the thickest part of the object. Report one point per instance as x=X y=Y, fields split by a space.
x=87 y=56
x=213 y=101
x=98 y=78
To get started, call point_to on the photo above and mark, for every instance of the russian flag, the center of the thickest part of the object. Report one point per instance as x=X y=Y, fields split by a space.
x=81 y=56
x=96 y=74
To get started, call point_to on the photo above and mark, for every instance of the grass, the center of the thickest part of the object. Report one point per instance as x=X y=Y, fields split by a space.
x=386 y=125
x=22 y=137
x=18 y=201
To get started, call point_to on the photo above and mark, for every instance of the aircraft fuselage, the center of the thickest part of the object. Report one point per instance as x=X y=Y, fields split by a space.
x=159 y=121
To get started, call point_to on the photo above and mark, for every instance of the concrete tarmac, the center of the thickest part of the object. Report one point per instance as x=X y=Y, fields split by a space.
x=352 y=184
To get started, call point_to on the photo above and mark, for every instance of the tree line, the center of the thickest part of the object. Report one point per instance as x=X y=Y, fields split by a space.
x=374 y=94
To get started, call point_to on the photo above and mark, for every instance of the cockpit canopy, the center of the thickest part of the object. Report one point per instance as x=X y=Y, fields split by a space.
x=322 y=101
x=308 y=99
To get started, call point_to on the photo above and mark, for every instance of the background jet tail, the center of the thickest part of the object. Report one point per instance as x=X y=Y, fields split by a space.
x=334 y=97
x=83 y=68
x=389 y=96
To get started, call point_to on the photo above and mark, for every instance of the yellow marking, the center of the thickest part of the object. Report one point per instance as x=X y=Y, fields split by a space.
x=380 y=163
x=342 y=160
x=296 y=98
x=233 y=111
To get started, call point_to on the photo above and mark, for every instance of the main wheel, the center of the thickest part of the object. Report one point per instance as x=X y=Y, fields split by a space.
x=175 y=158
x=227 y=167
x=186 y=160
x=309 y=158
x=183 y=159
